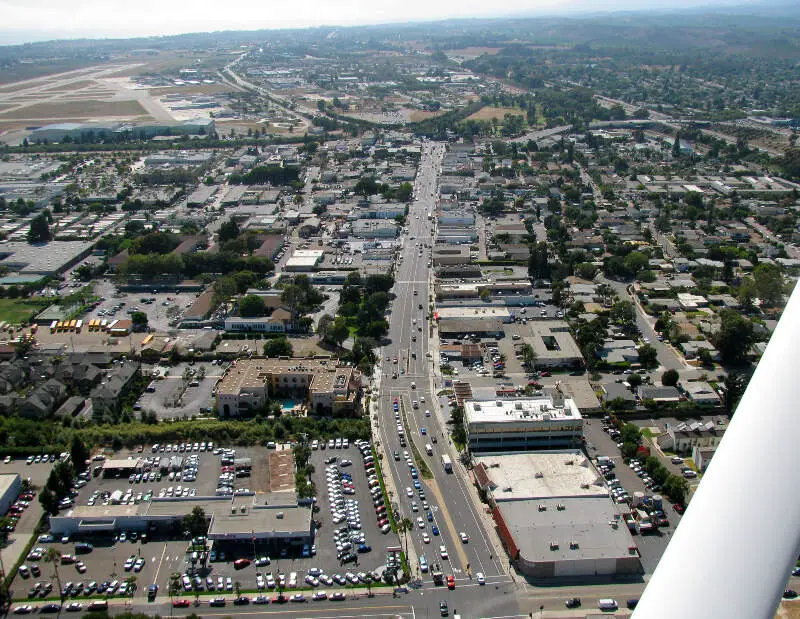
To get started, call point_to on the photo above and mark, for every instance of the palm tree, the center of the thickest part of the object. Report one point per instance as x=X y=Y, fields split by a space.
x=404 y=527
x=54 y=556
x=237 y=587
x=174 y=588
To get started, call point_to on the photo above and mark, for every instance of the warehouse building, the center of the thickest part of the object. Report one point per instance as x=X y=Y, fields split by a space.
x=554 y=515
x=546 y=422
x=10 y=488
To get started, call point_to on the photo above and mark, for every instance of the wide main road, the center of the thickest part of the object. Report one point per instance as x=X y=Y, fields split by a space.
x=406 y=374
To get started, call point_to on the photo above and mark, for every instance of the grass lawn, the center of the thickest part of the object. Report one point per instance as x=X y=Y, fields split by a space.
x=16 y=311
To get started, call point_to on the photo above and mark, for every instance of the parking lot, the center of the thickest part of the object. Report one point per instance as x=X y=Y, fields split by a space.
x=652 y=545
x=124 y=556
x=326 y=557
x=186 y=390
x=162 y=308
x=26 y=526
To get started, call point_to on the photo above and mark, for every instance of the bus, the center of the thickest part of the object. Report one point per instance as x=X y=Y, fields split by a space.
x=447 y=463
x=72 y=325
x=78 y=326
x=53 y=326
x=61 y=326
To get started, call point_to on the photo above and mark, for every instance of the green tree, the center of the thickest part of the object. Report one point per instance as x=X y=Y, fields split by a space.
x=278 y=347
x=648 y=356
x=630 y=433
x=528 y=355
x=195 y=522
x=769 y=283
x=139 y=321
x=228 y=231
x=338 y=331
x=634 y=380
x=39 y=231
x=670 y=378
x=49 y=501
x=251 y=306
x=79 y=454
x=676 y=488
x=734 y=338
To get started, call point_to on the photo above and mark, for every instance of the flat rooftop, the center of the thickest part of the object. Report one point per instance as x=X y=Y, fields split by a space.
x=541 y=409
x=564 y=474
x=6 y=481
x=473 y=313
x=582 y=527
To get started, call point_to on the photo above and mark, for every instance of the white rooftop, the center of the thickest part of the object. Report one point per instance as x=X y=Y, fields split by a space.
x=542 y=475
x=539 y=409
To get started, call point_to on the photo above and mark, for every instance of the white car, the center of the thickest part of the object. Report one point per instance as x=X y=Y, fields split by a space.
x=409 y=492
x=464 y=537
x=480 y=578
x=426 y=538
x=443 y=552
x=420 y=523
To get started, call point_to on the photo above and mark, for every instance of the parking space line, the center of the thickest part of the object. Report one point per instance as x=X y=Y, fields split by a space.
x=160 y=561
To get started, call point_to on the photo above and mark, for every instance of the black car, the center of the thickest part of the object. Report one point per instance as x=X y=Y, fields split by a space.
x=349 y=558
x=50 y=608
x=242 y=600
x=632 y=603
x=790 y=594
x=443 y=610
x=573 y=603
x=217 y=602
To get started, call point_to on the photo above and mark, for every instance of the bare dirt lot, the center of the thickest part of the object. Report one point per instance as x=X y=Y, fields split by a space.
x=489 y=111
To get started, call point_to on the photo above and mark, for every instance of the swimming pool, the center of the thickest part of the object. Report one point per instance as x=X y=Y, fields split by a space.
x=288 y=405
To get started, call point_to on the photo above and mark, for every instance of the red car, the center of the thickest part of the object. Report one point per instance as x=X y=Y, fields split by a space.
x=451 y=582
x=280 y=599
x=545 y=373
x=382 y=522
x=181 y=603
x=240 y=564
x=678 y=508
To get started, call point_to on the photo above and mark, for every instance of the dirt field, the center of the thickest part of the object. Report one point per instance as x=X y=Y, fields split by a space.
x=75 y=109
x=488 y=112
x=472 y=52
x=418 y=115
x=281 y=471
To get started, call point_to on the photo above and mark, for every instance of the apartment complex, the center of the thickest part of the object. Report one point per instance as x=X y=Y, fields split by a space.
x=323 y=385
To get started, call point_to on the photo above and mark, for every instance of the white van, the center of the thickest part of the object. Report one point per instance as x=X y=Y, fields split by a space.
x=607 y=604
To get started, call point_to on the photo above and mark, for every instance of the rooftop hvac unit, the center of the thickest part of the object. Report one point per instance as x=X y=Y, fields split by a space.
x=542 y=507
x=553 y=545
x=573 y=545
x=279 y=515
x=243 y=509
x=539 y=475
x=570 y=462
x=561 y=507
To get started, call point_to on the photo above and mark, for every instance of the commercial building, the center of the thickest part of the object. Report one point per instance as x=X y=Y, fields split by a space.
x=42 y=258
x=553 y=343
x=304 y=260
x=10 y=487
x=554 y=515
x=242 y=518
x=325 y=386
x=546 y=422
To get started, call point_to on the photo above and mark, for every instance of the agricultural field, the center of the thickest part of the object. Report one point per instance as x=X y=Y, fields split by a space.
x=489 y=111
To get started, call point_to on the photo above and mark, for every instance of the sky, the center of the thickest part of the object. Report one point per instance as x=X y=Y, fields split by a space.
x=36 y=20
